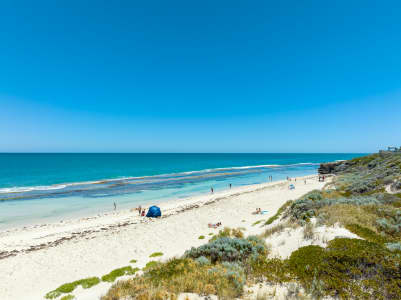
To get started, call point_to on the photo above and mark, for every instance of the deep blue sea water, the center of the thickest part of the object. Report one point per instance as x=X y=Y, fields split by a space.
x=48 y=187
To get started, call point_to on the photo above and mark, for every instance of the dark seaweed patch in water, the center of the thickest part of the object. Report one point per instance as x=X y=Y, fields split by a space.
x=116 y=187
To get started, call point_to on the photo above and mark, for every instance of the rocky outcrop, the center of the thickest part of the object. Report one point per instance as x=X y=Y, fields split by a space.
x=332 y=167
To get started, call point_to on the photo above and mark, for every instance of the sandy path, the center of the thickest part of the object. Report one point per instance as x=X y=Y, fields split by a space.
x=99 y=245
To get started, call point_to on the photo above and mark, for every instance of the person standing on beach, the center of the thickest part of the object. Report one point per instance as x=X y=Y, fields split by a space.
x=211 y=190
x=115 y=206
x=230 y=185
x=140 y=210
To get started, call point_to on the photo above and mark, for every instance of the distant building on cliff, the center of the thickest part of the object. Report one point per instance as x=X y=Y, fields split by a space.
x=391 y=149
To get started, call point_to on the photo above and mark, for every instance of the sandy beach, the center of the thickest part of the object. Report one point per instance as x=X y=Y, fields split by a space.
x=37 y=259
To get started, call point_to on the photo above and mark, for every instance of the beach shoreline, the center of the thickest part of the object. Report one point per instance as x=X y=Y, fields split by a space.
x=93 y=246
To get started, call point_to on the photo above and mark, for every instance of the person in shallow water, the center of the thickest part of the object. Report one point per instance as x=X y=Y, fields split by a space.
x=115 y=206
x=211 y=190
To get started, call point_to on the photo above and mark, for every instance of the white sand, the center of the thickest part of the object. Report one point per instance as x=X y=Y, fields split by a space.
x=101 y=244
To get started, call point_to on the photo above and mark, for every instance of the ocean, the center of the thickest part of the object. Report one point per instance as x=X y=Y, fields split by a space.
x=41 y=188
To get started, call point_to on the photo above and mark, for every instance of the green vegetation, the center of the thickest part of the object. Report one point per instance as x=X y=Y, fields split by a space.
x=128 y=270
x=218 y=267
x=151 y=264
x=133 y=261
x=201 y=237
x=366 y=233
x=365 y=268
x=348 y=268
x=68 y=297
x=257 y=222
x=156 y=254
x=228 y=232
x=278 y=213
x=69 y=287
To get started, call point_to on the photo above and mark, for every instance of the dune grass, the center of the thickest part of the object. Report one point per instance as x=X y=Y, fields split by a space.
x=257 y=222
x=278 y=213
x=201 y=237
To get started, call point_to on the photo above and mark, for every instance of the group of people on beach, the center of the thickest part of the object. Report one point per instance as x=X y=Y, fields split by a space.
x=141 y=212
x=211 y=225
x=270 y=178
x=321 y=178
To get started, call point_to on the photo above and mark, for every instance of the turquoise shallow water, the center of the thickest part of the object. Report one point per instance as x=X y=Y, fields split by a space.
x=48 y=187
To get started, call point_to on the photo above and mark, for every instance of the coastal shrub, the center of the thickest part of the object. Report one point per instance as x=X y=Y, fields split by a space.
x=394 y=246
x=156 y=254
x=69 y=287
x=305 y=208
x=229 y=249
x=202 y=260
x=272 y=270
x=111 y=277
x=366 y=233
x=278 y=213
x=232 y=272
x=167 y=280
x=349 y=268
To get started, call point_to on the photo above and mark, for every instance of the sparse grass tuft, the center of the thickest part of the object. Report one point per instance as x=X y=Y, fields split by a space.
x=68 y=297
x=133 y=261
x=309 y=231
x=201 y=237
x=275 y=229
x=257 y=222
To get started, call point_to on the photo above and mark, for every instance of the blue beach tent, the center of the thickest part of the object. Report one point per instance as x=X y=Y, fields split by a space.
x=154 y=212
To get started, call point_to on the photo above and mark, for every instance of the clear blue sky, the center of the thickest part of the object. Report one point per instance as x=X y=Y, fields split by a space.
x=200 y=76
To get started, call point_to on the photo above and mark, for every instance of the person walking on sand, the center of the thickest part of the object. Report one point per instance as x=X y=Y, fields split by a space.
x=211 y=190
x=140 y=210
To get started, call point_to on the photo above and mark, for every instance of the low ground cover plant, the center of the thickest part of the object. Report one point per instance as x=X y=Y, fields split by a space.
x=156 y=254
x=69 y=287
x=111 y=277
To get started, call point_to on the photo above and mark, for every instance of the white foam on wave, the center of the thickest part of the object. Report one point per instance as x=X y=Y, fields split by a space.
x=64 y=185
x=32 y=188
